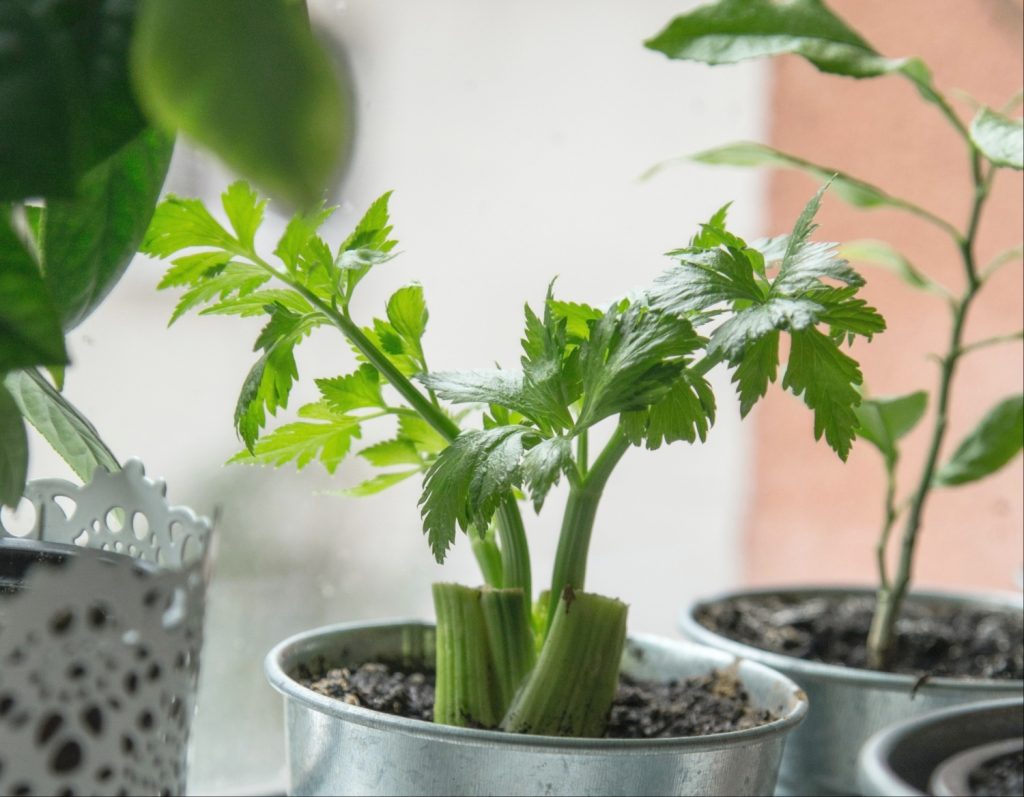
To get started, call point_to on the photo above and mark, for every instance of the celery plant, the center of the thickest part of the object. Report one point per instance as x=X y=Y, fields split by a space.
x=734 y=30
x=639 y=363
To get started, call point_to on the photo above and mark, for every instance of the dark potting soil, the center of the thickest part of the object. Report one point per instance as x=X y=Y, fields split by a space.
x=1002 y=776
x=933 y=639
x=714 y=703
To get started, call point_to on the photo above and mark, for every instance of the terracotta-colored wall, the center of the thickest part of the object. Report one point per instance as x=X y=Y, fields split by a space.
x=813 y=519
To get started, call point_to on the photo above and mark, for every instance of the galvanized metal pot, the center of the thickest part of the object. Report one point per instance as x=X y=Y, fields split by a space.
x=848 y=705
x=335 y=748
x=903 y=759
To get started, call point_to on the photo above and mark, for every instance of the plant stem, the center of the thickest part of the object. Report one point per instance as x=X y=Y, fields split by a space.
x=890 y=521
x=570 y=568
x=890 y=598
x=510 y=636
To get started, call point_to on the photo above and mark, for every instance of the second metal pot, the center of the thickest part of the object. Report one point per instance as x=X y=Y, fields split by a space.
x=848 y=705
x=335 y=748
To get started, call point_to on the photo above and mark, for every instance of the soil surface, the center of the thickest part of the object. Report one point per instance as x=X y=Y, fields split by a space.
x=934 y=640
x=715 y=703
x=1001 y=777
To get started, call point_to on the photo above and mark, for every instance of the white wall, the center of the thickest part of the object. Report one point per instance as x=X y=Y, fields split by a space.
x=513 y=135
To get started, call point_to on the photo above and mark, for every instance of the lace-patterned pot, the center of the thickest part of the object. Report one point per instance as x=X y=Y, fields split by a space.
x=101 y=621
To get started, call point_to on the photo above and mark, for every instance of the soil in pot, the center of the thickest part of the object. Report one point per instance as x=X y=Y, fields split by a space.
x=1002 y=776
x=715 y=703
x=934 y=639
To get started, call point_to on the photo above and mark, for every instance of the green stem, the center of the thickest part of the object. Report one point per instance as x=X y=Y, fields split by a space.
x=509 y=633
x=890 y=521
x=488 y=557
x=570 y=569
x=570 y=691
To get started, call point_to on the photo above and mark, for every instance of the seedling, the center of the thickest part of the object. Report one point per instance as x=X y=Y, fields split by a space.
x=639 y=364
x=734 y=30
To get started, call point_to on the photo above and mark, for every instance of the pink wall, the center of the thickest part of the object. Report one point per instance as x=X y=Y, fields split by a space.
x=813 y=519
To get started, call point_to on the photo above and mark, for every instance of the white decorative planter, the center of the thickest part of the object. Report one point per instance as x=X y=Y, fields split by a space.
x=101 y=619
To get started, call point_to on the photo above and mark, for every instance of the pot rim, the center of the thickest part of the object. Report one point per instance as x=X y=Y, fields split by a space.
x=952 y=776
x=290 y=688
x=873 y=762
x=802 y=668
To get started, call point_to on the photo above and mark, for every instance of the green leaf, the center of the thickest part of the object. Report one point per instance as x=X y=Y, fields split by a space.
x=685 y=413
x=427 y=440
x=578 y=317
x=368 y=245
x=256 y=88
x=192 y=269
x=244 y=210
x=181 y=224
x=1000 y=138
x=826 y=378
x=543 y=465
x=748 y=326
x=879 y=253
x=259 y=302
x=392 y=452
x=735 y=30
x=61 y=424
x=299 y=234
x=355 y=391
x=378 y=483
x=385 y=337
x=993 y=443
x=407 y=312
x=303 y=442
x=234 y=279
x=747 y=153
x=14 y=451
x=706 y=277
x=30 y=332
x=757 y=367
x=467 y=482
x=883 y=421
x=90 y=238
x=66 y=101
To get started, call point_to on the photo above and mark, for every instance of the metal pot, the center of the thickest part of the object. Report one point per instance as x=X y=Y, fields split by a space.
x=952 y=778
x=902 y=759
x=848 y=705
x=335 y=748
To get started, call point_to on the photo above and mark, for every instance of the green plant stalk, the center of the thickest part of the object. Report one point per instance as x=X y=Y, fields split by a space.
x=509 y=636
x=570 y=691
x=891 y=596
x=570 y=569
x=488 y=557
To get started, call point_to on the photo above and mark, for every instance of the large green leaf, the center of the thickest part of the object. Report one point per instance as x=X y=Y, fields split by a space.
x=66 y=101
x=736 y=30
x=63 y=427
x=994 y=442
x=879 y=253
x=999 y=137
x=13 y=452
x=883 y=421
x=89 y=239
x=30 y=332
x=249 y=82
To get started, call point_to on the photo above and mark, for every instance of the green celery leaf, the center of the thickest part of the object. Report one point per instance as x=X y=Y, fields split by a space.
x=993 y=443
x=1000 y=138
x=355 y=391
x=378 y=483
x=747 y=326
x=467 y=482
x=192 y=269
x=707 y=277
x=578 y=317
x=685 y=413
x=66 y=101
x=542 y=466
x=735 y=30
x=258 y=302
x=826 y=379
x=256 y=88
x=427 y=440
x=884 y=420
x=233 y=280
x=244 y=210
x=327 y=441
x=30 y=331
x=61 y=424
x=392 y=452
x=299 y=234
x=879 y=253
x=407 y=312
x=14 y=451
x=181 y=224
x=386 y=338
x=367 y=245
x=90 y=238
x=757 y=367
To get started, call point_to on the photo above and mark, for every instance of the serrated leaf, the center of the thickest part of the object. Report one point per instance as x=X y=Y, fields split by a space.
x=407 y=312
x=244 y=210
x=385 y=337
x=542 y=467
x=378 y=483
x=367 y=245
x=467 y=482
x=756 y=369
x=736 y=30
x=181 y=224
x=298 y=233
x=882 y=421
x=747 y=326
x=1000 y=138
x=392 y=452
x=685 y=413
x=826 y=379
x=578 y=317
x=14 y=451
x=355 y=391
x=259 y=302
x=426 y=438
x=303 y=442
x=192 y=269
x=705 y=278
x=993 y=443
x=234 y=279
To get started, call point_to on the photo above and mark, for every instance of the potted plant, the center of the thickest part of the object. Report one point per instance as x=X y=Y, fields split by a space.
x=102 y=595
x=871 y=649
x=506 y=679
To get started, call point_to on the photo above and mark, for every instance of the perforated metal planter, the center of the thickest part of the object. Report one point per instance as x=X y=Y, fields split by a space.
x=848 y=705
x=101 y=619
x=336 y=748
